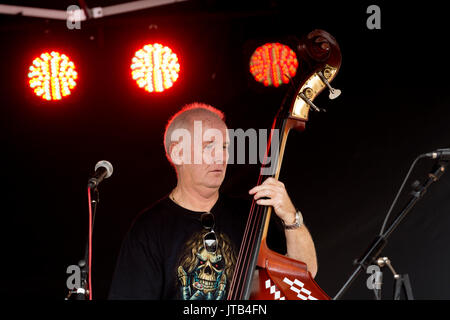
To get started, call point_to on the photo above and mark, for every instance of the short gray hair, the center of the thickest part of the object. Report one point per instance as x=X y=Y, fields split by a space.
x=185 y=116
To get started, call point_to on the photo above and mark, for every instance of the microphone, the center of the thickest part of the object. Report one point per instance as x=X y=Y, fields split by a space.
x=103 y=170
x=443 y=154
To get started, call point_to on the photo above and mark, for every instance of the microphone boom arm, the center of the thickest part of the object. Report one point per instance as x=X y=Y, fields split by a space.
x=380 y=240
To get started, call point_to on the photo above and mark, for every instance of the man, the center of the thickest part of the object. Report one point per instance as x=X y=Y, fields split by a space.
x=185 y=246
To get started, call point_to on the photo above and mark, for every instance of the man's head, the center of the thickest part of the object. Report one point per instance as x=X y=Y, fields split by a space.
x=196 y=142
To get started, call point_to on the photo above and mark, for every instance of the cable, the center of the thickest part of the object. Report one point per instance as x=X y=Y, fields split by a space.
x=90 y=245
x=398 y=193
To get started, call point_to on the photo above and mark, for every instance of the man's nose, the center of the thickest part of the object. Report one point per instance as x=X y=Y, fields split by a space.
x=220 y=156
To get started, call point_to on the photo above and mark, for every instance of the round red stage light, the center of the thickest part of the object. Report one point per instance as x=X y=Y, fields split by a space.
x=273 y=63
x=155 y=67
x=52 y=76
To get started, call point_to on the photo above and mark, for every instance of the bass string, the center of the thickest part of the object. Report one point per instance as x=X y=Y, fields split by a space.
x=247 y=247
x=253 y=245
x=248 y=243
x=242 y=258
x=249 y=239
x=250 y=247
x=255 y=224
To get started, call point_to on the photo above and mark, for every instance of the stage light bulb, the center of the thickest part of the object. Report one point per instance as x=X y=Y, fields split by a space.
x=52 y=76
x=273 y=63
x=155 y=67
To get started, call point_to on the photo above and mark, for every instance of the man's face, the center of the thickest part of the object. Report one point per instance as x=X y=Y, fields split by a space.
x=208 y=154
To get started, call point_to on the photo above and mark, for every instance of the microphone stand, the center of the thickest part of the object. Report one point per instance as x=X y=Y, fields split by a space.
x=82 y=293
x=380 y=240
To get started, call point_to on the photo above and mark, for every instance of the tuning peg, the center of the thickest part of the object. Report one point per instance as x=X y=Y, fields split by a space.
x=334 y=93
x=304 y=96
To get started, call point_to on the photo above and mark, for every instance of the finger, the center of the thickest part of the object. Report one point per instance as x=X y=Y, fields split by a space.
x=263 y=193
x=274 y=182
x=270 y=187
x=270 y=180
x=258 y=188
x=265 y=202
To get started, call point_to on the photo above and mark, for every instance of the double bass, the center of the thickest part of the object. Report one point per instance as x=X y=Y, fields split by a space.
x=260 y=273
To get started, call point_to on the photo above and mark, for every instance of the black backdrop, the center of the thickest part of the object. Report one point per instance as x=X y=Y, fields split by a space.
x=343 y=171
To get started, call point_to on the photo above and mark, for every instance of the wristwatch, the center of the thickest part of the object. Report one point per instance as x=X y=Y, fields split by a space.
x=297 y=224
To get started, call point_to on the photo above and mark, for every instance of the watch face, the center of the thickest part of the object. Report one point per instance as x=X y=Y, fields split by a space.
x=296 y=224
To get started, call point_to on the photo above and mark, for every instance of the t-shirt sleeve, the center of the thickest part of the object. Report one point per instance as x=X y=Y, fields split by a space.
x=138 y=274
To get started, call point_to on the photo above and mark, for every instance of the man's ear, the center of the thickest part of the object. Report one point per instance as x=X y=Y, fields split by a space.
x=176 y=153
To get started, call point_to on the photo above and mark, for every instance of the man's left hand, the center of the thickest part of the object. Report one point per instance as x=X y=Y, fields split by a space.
x=275 y=195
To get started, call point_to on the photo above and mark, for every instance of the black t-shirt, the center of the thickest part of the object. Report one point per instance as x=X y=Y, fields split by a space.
x=163 y=255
